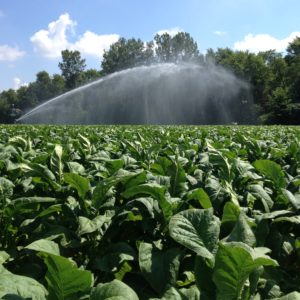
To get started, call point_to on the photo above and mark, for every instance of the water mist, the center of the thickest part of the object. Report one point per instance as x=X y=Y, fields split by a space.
x=156 y=94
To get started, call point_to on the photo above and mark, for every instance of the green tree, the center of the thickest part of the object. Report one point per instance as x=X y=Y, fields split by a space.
x=8 y=102
x=72 y=68
x=43 y=86
x=178 y=48
x=126 y=54
x=91 y=75
x=58 y=85
x=293 y=60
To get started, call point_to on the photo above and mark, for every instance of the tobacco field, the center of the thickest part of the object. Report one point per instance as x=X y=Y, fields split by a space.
x=149 y=212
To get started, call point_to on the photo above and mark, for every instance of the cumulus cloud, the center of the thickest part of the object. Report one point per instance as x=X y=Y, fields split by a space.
x=18 y=83
x=51 y=41
x=220 y=32
x=93 y=44
x=171 y=31
x=8 y=53
x=264 y=42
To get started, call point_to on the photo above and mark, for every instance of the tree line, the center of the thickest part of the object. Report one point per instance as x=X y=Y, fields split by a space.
x=274 y=77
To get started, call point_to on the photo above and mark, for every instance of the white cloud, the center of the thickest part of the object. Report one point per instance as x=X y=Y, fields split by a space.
x=220 y=32
x=93 y=44
x=51 y=42
x=264 y=42
x=8 y=53
x=18 y=83
x=171 y=31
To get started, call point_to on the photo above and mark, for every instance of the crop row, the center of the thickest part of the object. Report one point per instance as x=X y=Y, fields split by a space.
x=149 y=212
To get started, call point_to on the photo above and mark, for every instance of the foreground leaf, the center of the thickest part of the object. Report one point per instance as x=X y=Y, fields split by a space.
x=64 y=279
x=78 y=182
x=114 y=290
x=272 y=171
x=43 y=245
x=22 y=286
x=160 y=268
x=234 y=263
x=196 y=229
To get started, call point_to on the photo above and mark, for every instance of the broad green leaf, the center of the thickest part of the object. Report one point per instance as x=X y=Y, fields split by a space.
x=191 y=293
x=293 y=199
x=4 y=256
x=221 y=163
x=6 y=188
x=259 y=193
x=203 y=274
x=115 y=256
x=290 y=296
x=234 y=263
x=78 y=182
x=43 y=245
x=87 y=226
x=114 y=290
x=22 y=286
x=154 y=190
x=76 y=167
x=272 y=171
x=292 y=219
x=245 y=169
x=196 y=229
x=114 y=165
x=64 y=279
x=242 y=232
x=38 y=170
x=159 y=267
x=231 y=213
x=200 y=195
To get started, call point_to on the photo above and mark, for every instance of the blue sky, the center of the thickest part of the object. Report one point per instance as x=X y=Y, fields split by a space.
x=33 y=32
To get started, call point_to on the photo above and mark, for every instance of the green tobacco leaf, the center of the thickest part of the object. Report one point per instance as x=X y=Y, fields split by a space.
x=117 y=254
x=196 y=229
x=23 y=201
x=76 y=167
x=78 y=182
x=154 y=190
x=259 y=193
x=4 y=256
x=234 y=263
x=292 y=219
x=87 y=226
x=245 y=169
x=220 y=162
x=38 y=170
x=22 y=286
x=159 y=267
x=114 y=165
x=114 y=290
x=191 y=293
x=6 y=188
x=272 y=171
x=293 y=199
x=56 y=162
x=64 y=279
x=203 y=275
x=201 y=196
x=242 y=232
x=43 y=245
x=290 y=296
x=231 y=213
